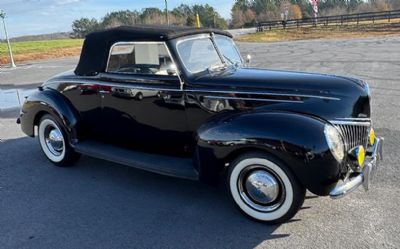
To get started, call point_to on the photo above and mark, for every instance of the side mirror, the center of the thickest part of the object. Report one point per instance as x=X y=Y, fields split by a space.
x=171 y=70
x=248 y=60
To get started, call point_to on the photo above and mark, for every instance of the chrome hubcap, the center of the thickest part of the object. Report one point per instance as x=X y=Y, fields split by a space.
x=261 y=189
x=54 y=140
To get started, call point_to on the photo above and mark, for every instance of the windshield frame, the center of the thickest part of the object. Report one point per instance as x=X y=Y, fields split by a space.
x=233 y=44
x=210 y=36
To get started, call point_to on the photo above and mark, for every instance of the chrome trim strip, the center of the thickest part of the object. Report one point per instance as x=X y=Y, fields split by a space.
x=338 y=122
x=265 y=93
x=128 y=85
x=355 y=119
x=120 y=85
x=254 y=99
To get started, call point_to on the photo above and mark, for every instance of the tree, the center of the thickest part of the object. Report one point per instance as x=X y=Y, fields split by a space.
x=153 y=16
x=305 y=7
x=243 y=5
x=250 y=18
x=237 y=17
x=182 y=10
x=394 y=4
x=381 y=5
x=181 y=15
x=84 y=26
x=295 y=12
x=184 y=15
x=270 y=10
x=118 y=18
x=262 y=6
x=209 y=17
x=353 y=4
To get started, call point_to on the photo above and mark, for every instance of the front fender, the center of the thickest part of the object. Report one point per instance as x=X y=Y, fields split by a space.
x=52 y=102
x=296 y=139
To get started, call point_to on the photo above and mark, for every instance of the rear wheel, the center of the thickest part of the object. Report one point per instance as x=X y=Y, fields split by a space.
x=139 y=96
x=264 y=188
x=53 y=142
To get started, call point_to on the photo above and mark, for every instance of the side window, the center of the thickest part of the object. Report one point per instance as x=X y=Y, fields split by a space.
x=140 y=58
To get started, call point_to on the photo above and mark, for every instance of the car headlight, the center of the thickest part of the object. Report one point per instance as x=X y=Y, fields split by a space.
x=335 y=142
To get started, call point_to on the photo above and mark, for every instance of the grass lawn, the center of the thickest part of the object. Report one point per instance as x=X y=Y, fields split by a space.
x=321 y=32
x=32 y=50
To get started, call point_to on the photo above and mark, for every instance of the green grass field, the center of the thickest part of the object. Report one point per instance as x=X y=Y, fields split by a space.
x=39 y=46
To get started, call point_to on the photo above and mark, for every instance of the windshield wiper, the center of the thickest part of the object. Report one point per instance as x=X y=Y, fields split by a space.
x=229 y=60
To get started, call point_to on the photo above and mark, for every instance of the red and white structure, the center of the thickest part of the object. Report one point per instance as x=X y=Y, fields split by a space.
x=314 y=3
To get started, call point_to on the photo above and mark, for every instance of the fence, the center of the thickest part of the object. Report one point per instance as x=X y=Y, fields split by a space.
x=329 y=20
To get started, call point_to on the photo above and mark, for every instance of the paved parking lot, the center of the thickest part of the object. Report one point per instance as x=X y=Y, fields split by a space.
x=98 y=204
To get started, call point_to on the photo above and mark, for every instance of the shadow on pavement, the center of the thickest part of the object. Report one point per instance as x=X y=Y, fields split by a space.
x=98 y=204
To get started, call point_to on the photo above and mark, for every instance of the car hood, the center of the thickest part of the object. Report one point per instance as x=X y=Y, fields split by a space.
x=351 y=96
x=287 y=81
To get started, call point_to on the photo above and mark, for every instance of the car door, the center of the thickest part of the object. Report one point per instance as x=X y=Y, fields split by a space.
x=143 y=107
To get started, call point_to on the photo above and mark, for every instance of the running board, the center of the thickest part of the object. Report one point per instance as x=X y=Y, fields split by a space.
x=165 y=165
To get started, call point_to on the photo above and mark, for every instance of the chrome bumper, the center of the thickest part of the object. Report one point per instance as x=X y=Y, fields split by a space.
x=374 y=156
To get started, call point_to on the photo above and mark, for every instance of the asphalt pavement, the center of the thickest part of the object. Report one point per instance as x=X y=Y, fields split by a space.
x=98 y=204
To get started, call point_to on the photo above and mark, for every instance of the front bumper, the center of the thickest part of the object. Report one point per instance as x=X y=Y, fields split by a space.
x=374 y=156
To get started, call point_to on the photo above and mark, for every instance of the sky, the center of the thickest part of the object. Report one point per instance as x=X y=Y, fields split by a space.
x=31 y=17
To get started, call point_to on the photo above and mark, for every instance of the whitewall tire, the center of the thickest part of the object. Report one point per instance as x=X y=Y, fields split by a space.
x=53 y=142
x=264 y=188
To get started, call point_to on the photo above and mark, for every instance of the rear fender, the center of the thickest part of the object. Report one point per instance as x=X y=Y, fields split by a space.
x=295 y=139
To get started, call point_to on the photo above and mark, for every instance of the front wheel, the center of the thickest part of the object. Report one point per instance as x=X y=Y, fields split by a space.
x=139 y=96
x=264 y=188
x=53 y=142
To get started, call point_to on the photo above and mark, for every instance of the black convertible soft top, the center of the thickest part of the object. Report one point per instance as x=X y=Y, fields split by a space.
x=97 y=45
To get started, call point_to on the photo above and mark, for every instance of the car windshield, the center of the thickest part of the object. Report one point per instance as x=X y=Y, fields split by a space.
x=228 y=49
x=200 y=54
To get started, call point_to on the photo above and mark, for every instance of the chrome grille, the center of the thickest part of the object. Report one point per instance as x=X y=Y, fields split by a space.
x=354 y=133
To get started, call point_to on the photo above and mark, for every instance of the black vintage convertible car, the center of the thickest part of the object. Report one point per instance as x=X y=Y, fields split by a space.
x=182 y=102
